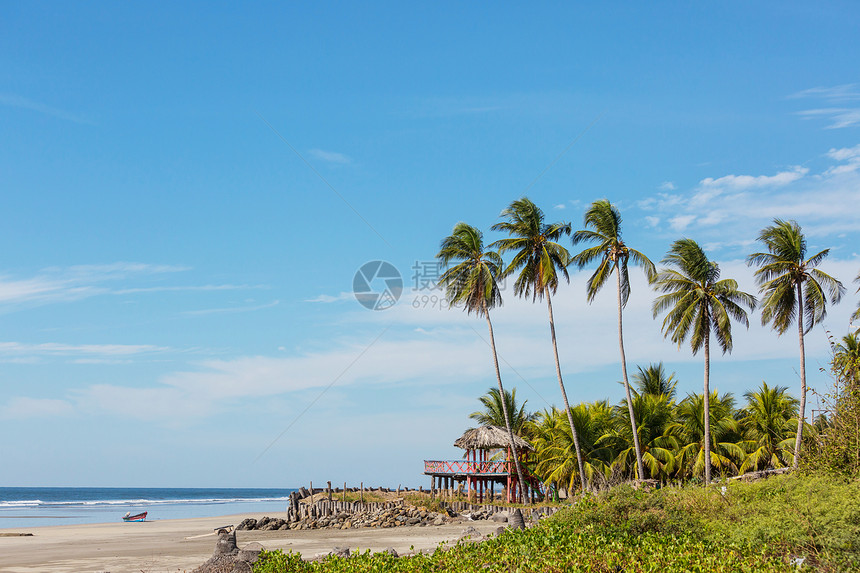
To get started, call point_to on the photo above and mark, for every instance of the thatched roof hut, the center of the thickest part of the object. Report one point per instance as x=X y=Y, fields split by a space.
x=490 y=438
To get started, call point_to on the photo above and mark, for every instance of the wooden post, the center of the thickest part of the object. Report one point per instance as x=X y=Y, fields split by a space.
x=329 y=491
x=362 y=492
x=344 y=492
x=312 y=492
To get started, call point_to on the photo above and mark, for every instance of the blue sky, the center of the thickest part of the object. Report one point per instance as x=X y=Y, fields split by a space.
x=188 y=192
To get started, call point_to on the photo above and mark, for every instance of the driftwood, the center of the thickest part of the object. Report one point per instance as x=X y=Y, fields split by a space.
x=761 y=474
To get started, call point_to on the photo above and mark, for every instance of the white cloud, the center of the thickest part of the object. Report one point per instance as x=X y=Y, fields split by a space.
x=728 y=211
x=651 y=221
x=330 y=156
x=327 y=298
x=739 y=182
x=230 y=310
x=560 y=206
x=23 y=407
x=60 y=349
x=667 y=186
x=12 y=100
x=681 y=222
x=840 y=114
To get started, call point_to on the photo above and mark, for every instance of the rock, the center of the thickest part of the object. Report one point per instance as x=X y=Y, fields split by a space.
x=226 y=544
x=340 y=552
x=250 y=553
x=391 y=551
x=439 y=520
x=515 y=520
x=499 y=531
x=471 y=534
x=500 y=517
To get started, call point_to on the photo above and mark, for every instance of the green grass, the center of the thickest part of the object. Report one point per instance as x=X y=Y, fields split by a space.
x=758 y=527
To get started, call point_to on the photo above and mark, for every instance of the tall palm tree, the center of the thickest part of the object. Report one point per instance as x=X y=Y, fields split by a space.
x=793 y=289
x=493 y=413
x=473 y=282
x=653 y=380
x=540 y=260
x=603 y=226
x=698 y=304
x=767 y=420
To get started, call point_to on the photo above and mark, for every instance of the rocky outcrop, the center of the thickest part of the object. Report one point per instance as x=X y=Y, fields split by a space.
x=341 y=518
x=228 y=558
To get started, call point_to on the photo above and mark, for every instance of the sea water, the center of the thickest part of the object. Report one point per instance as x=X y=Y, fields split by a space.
x=40 y=506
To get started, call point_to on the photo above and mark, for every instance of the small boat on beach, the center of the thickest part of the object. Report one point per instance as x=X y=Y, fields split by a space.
x=138 y=517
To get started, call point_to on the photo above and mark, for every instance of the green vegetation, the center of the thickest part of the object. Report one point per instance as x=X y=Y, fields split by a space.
x=754 y=527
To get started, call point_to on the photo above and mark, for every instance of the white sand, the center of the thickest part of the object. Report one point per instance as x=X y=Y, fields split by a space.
x=176 y=546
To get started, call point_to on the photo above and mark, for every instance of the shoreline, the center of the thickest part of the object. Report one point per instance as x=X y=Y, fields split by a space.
x=181 y=545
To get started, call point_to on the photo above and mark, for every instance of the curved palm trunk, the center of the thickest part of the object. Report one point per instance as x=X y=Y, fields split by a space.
x=639 y=465
x=802 y=414
x=514 y=452
x=707 y=407
x=564 y=397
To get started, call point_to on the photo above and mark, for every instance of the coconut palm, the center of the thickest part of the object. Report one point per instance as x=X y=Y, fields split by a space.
x=473 y=282
x=603 y=226
x=767 y=420
x=654 y=413
x=698 y=304
x=494 y=410
x=793 y=289
x=706 y=430
x=540 y=260
x=846 y=358
x=653 y=380
x=555 y=457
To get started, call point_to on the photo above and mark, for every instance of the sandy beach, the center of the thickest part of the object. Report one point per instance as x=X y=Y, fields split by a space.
x=184 y=544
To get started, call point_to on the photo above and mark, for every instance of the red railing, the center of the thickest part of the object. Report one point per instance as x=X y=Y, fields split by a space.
x=465 y=467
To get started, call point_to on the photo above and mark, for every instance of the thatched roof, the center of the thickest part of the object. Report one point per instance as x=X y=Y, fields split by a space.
x=489 y=438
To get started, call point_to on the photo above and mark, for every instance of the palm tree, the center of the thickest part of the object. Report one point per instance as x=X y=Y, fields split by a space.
x=653 y=380
x=846 y=358
x=473 y=282
x=706 y=429
x=603 y=226
x=540 y=259
x=698 y=303
x=555 y=457
x=793 y=289
x=767 y=420
x=654 y=413
x=494 y=410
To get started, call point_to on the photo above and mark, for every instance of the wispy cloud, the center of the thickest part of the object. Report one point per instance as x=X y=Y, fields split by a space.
x=840 y=105
x=327 y=298
x=23 y=407
x=231 y=309
x=65 y=284
x=330 y=156
x=667 y=186
x=16 y=101
x=61 y=349
x=735 y=206
x=739 y=182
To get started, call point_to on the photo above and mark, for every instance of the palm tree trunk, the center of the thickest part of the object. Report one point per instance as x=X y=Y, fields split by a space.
x=802 y=414
x=639 y=465
x=514 y=453
x=564 y=397
x=707 y=407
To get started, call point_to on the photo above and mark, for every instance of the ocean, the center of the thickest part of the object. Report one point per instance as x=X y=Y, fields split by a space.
x=41 y=506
